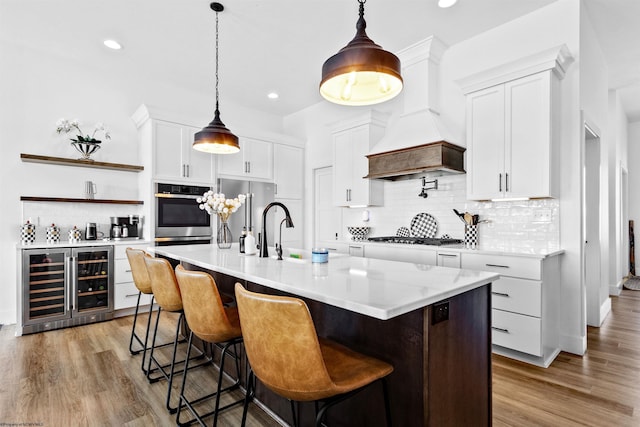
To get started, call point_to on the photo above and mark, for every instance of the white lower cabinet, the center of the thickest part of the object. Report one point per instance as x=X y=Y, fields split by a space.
x=524 y=305
x=126 y=293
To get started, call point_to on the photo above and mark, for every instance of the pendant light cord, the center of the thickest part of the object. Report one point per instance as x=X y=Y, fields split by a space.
x=217 y=79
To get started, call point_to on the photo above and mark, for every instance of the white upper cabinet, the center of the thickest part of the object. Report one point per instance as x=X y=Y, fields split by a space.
x=510 y=139
x=351 y=144
x=512 y=128
x=254 y=161
x=288 y=171
x=174 y=157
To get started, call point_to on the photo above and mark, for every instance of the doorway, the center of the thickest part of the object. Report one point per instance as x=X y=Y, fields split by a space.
x=595 y=287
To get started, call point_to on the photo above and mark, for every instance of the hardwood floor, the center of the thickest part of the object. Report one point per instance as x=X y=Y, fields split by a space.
x=84 y=376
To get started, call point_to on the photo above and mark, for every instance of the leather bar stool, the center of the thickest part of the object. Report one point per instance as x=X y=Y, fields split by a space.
x=143 y=283
x=213 y=323
x=288 y=357
x=167 y=295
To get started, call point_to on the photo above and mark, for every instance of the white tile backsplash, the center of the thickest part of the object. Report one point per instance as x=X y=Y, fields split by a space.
x=530 y=226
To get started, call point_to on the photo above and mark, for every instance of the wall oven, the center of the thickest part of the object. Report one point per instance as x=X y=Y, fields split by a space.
x=179 y=219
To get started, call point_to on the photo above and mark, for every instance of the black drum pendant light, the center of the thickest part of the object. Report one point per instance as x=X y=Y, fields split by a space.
x=215 y=137
x=361 y=73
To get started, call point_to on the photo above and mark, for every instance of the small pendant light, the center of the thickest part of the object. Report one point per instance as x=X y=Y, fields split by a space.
x=361 y=73
x=215 y=137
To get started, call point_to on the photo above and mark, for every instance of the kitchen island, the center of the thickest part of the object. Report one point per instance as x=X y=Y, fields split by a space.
x=432 y=323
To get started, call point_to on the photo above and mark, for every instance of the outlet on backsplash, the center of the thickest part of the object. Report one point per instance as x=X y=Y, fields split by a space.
x=542 y=215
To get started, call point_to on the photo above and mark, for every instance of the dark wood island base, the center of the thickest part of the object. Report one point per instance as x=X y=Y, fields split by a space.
x=441 y=356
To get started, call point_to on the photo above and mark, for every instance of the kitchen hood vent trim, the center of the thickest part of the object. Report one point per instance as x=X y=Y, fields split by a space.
x=413 y=162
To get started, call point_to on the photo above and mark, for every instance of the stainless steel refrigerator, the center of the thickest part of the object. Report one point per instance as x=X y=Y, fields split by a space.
x=263 y=194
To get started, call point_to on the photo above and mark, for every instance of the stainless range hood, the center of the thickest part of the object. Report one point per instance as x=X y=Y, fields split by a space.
x=417 y=141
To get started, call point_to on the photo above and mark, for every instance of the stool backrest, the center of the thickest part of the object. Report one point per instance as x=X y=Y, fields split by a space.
x=164 y=284
x=282 y=344
x=139 y=269
x=203 y=308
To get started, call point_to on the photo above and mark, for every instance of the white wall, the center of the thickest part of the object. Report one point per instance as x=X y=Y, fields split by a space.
x=36 y=89
x=595 y=105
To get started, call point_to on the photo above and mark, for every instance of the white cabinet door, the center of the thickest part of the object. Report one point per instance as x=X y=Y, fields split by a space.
x=288 y=171
x=528 y=136
x=350 y=165
x=175 y=159
x=168 y=150
x=485 y=133
x=255 y=161
x=199 y=164
x=342 y=168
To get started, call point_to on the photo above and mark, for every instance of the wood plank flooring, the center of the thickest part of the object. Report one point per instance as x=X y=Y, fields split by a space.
x=84 y=376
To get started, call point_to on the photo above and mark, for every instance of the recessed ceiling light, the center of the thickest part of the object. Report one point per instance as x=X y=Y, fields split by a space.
x=273 y=95
x=112 y=44
x=446 y=3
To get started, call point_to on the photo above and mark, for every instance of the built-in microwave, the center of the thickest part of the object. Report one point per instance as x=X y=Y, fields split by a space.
x=179 y=218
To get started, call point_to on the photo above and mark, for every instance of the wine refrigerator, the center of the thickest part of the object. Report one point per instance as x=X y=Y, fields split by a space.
x=65 y=287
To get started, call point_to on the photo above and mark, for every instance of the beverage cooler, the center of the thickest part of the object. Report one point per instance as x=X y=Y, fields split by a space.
x=66 y=287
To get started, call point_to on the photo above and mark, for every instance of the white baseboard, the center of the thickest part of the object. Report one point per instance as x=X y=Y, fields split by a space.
x=614 y=290
x=573 y=344
x=7 y=317
x=605 y=309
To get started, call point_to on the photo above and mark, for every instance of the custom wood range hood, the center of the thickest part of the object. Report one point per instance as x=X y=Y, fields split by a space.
x=416 y=161
x=417 y=141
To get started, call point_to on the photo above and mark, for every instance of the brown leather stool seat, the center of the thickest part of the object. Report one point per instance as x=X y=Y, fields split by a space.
x=213 y=323
x=167 y=295
x=143 y=283
x=288 y=357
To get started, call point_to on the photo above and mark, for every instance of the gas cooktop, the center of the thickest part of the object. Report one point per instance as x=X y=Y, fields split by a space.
x=416 y=240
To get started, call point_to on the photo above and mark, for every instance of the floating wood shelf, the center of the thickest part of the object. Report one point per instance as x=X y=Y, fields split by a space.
x=34 y=158
x=72 y=200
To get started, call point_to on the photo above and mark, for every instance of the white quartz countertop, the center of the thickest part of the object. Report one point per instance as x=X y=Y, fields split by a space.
x=373 y=287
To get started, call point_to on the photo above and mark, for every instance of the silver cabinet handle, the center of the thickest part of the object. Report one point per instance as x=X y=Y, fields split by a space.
x=130 y=295
x=275 y=191
x=183 y=171
x=449 y=255
x=500 y=294
x=495 y=328
x=127 y=271
x=187 y=171
x=248 y=167
x=506 y=182
x=497 y=265
x=500 y=182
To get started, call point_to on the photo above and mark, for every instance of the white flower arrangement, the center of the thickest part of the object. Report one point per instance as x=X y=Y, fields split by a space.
x=216 y=203
x=66 y=126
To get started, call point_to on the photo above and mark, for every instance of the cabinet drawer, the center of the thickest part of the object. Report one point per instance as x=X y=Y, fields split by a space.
x=126 y=296
x=123 y=271
x=121 y=250
x=449 y=259
x=516 y=331
x=526 y=268
x=517 y=295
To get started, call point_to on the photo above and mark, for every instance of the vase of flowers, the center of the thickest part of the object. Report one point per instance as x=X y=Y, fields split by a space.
x=85 y=143
x=218 y=204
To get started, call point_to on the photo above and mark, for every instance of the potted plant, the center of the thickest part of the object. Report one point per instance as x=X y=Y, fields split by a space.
x=85 y=143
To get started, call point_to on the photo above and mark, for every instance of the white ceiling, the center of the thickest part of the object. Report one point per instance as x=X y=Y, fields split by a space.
x=280 y=45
